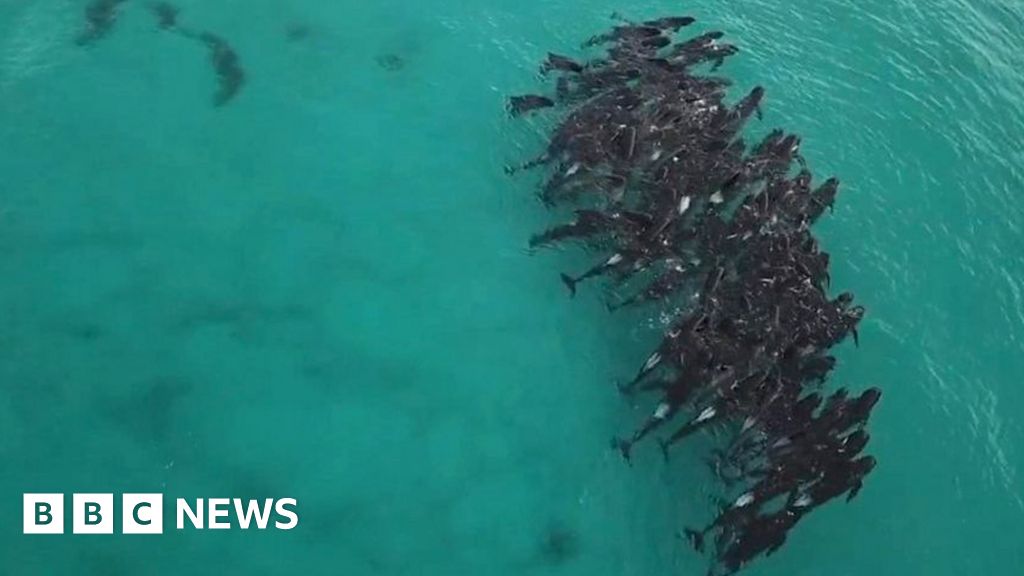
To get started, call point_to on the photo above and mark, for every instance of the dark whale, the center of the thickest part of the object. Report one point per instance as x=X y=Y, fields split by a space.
x=100 y=17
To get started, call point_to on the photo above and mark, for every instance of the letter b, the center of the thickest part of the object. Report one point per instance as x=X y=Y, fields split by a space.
x=93 y=514
x=43 y=514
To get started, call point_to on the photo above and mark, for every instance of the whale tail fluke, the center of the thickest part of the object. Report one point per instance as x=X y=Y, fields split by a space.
x=616 y=306
x=696 y=538
x=664 y=448
x=625 y=448
x=570 y=283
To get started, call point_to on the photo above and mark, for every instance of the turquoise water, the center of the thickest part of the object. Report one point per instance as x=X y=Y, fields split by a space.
x=321 y=290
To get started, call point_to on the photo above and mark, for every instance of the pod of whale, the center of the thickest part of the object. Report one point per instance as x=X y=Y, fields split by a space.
x=101 y=15
x=223 y=58
x=687 y=216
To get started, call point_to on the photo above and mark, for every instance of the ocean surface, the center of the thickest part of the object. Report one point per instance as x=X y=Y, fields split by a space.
x=321 y=290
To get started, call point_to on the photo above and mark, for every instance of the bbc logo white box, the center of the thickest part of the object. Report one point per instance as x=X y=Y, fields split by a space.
x=92 y=514
x=43 y=514
x=142 y=513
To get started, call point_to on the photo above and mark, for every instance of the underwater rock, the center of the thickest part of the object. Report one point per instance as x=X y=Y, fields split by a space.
x=559 y=545
x=390 y=62
x=297 y=31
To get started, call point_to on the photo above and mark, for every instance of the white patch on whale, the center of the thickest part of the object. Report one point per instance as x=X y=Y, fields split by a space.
x=748 y=423
x=707 y=414
x=684 y=205
x=744 y=500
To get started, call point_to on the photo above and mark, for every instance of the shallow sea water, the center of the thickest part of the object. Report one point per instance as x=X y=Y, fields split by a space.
x=322 y=289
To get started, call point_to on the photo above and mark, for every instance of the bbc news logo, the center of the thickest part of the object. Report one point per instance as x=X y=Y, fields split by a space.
x=144 y=513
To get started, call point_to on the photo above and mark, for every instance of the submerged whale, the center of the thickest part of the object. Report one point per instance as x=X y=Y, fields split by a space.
x=100 y=17
x=230 y=75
